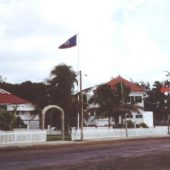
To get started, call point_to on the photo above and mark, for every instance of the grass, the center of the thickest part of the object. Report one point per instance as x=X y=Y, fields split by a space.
x=57 y=137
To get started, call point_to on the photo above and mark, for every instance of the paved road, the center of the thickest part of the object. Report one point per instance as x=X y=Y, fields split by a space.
x=131 y=154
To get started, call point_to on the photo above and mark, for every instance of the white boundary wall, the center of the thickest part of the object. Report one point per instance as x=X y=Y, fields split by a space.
x=105 y=133
x=24 y=136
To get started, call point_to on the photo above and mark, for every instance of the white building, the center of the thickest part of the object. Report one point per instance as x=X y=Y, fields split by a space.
x=24 y=108
x=136 y=96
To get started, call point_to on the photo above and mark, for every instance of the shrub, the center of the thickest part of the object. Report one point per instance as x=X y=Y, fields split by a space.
x=144 y=125
x=130 y=124
x=137 y=126
x=19 y=123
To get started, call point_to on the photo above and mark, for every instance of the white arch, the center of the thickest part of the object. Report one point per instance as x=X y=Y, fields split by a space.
x=62 y=116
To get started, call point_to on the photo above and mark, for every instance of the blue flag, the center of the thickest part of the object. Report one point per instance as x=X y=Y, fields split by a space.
x=71 y=42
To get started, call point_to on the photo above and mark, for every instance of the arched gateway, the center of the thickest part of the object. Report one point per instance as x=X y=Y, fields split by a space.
x=62 y=116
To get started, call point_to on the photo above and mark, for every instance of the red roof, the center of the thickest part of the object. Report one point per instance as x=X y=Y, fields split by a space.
x=133 y=87
x=8 y=98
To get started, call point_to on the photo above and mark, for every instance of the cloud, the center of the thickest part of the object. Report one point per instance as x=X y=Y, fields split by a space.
x=130 y=38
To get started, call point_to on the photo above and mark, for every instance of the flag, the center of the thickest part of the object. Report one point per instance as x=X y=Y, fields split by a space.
x=71 y=42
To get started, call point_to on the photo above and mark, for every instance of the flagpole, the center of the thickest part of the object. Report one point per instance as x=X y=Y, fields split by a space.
x=81 y=93
x=71 y=42
x=78 y=52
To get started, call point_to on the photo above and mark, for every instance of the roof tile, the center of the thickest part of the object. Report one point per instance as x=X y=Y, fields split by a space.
x=133 y=87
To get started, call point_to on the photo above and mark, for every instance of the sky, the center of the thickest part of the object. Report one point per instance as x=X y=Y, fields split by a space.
x=115 y=37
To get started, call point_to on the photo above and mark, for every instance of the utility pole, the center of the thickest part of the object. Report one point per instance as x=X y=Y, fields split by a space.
x=123 y=102
x=168 y=75
x=81 y=106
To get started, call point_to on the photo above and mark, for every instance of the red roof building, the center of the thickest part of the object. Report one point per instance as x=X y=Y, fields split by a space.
x=23 y=108
x=8 y=98
x=133 y=86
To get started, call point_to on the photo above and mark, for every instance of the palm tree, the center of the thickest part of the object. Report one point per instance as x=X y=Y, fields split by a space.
x=124 y=109
x=113 y=102
x=106 y=100
x=60 y=89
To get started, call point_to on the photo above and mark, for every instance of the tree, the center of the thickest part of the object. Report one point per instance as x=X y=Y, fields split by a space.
x=7 y=120
x=33 y=92
x=112 y=101
x=2 y=80
x=60 y=89
x=158 y=102
x=106 y=99
x=122 y=92
x=155 y=101
x=146 y=86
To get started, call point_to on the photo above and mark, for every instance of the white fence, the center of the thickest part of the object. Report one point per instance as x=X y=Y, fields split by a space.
x=24 y=136
x=104 y=133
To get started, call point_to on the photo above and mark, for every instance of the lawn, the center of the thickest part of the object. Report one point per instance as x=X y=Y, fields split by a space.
x=57 y=137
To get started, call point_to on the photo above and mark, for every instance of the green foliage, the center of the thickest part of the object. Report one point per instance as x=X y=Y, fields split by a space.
x=119 y=89
x=60 y=90
x=106 y=99
x=58 y=137
x=33 y=92
x=7 y=120
x=19 y=123
x=155 y=101
x=110 y=102
x=57 y=90
x=143 y=125
x=137 y=126
x=130 y=124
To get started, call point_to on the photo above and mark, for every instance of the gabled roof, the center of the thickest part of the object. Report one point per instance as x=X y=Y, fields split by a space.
x=8 y=98
x=133 y=86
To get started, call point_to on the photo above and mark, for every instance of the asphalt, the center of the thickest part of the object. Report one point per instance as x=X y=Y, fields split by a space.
x=24 y=145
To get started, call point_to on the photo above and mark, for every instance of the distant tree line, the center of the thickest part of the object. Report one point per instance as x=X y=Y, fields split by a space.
x=59 y=89
x=157 y=101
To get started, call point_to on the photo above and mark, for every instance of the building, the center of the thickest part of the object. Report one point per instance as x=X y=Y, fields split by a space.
x=136 y=96
x=24 y=108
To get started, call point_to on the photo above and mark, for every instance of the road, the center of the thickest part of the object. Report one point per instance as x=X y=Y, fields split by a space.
x=133 y=154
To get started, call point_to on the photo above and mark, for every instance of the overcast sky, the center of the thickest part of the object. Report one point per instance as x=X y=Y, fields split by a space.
x=130 y=38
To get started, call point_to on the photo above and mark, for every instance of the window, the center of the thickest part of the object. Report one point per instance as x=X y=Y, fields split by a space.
x=3 y=107
x=129 y=116
x=132 y=99
x=138 y=99
x=139 y=116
